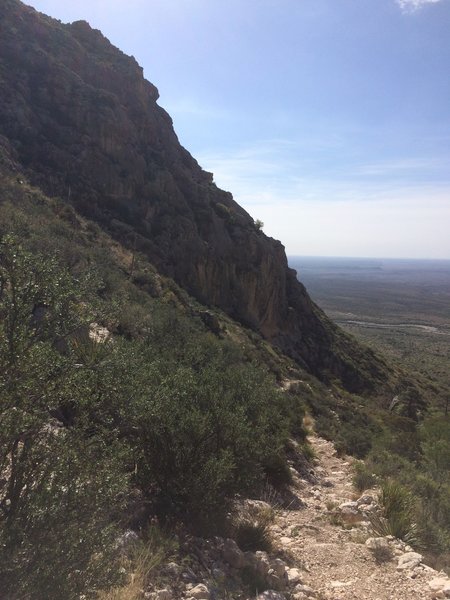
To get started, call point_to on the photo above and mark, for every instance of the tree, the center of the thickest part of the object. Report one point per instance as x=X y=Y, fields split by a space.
x=60 y=479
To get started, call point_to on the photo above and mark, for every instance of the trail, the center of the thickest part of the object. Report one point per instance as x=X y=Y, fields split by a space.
x=334 y=560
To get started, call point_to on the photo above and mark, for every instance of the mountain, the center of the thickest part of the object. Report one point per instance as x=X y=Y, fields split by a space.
x=78 y=120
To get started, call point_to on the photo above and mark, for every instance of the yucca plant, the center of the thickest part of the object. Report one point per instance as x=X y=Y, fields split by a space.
x=397 y=517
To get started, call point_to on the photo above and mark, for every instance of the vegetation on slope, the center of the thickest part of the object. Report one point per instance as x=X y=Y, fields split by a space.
x=162 y=418
x=99 y=431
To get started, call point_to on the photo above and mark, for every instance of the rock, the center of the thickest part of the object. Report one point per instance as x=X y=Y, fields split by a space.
x=349 y=512
x=279 y=567
x=374 y=543
x=377 y=543
x=218 y=574
x=188 y=575
x=200 y=592
x=339 y=584
x=262 y=563
x=441 y=585
x=285 y=541
x=276 y=582
x=307 y=591
x=293 y=576
x=127 y=539
x=173 y=569
x=233 y=555
x=164 y=594
x=409 y=560
x=365 y=499
x=271 y=595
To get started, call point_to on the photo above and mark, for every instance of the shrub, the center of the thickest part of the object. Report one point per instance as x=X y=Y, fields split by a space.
x=397 y=516
x=252 y=528
x=381 y=552
x=204 y=433
x=61 y=478
x=363 y=478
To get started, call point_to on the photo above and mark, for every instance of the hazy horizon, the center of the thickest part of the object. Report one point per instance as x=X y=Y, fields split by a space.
x=329 y=121
x=381 y=258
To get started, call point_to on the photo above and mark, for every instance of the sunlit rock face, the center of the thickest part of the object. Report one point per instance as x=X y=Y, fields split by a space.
x=85 y=125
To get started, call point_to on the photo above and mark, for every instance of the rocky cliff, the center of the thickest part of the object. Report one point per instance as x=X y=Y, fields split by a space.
x=85 y=125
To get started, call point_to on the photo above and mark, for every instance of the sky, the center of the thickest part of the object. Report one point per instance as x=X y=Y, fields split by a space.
x=328 y=120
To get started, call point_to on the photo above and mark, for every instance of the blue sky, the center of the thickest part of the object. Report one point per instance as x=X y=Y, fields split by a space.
x=329 y=120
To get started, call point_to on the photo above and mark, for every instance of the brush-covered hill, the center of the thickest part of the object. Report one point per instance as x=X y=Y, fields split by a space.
x=157 y=354
x=79 y=120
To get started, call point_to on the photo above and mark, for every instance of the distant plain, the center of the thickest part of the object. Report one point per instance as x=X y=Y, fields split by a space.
x=399 y=307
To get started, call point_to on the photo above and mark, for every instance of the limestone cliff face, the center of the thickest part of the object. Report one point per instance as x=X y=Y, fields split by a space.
x=85 y=125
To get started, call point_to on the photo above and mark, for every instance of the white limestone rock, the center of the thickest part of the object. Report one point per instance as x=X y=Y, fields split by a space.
x=200 y=592
x=409 y=560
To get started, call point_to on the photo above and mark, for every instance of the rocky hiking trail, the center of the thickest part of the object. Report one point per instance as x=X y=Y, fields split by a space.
x=322 y=549
x=336 y=561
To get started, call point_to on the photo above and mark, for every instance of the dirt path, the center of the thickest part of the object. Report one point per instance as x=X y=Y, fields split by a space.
x=334 y=560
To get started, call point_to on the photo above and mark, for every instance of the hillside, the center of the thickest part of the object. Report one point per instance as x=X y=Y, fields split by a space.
x=82 y=123
x=175 y=410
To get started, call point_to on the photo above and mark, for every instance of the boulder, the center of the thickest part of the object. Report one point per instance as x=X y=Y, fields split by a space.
x=307 y=591
x=409 y=560
x=293 y=576
x=233 y=555
x=378 y=543
x=200 y=592
x=441 y=585
x=262 y=562
x=279 y=567
x=365 y=499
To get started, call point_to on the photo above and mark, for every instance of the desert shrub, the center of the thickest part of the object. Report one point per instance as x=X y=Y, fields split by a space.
x=251 y=527
x=59 y=484
x=205 y=425
x=253 y=536
x=225 y=212
x=308 y=451
x=353 y=441
x=397 y=517
x=141 y=560
x=276 y=469
x=363 y=478
x=382 y=553
x=435 y=446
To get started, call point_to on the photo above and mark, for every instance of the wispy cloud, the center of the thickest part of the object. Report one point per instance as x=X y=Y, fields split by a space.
x=379 y=208
x=409 y=6
x=287 y=171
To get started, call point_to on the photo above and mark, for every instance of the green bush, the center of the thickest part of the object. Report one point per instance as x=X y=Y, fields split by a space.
x=363 y=478
x=61 y=478
x=205 y=425
x=398 y=515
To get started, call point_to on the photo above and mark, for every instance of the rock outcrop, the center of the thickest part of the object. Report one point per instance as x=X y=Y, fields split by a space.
x=84 y=124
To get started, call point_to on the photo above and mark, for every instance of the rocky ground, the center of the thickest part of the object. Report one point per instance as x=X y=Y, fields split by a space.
x=321 y=548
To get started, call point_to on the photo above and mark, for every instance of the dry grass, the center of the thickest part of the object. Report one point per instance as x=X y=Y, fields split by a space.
x=143 y=561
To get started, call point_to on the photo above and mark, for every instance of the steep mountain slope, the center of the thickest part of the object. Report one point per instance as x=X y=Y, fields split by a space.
x=82 y=122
